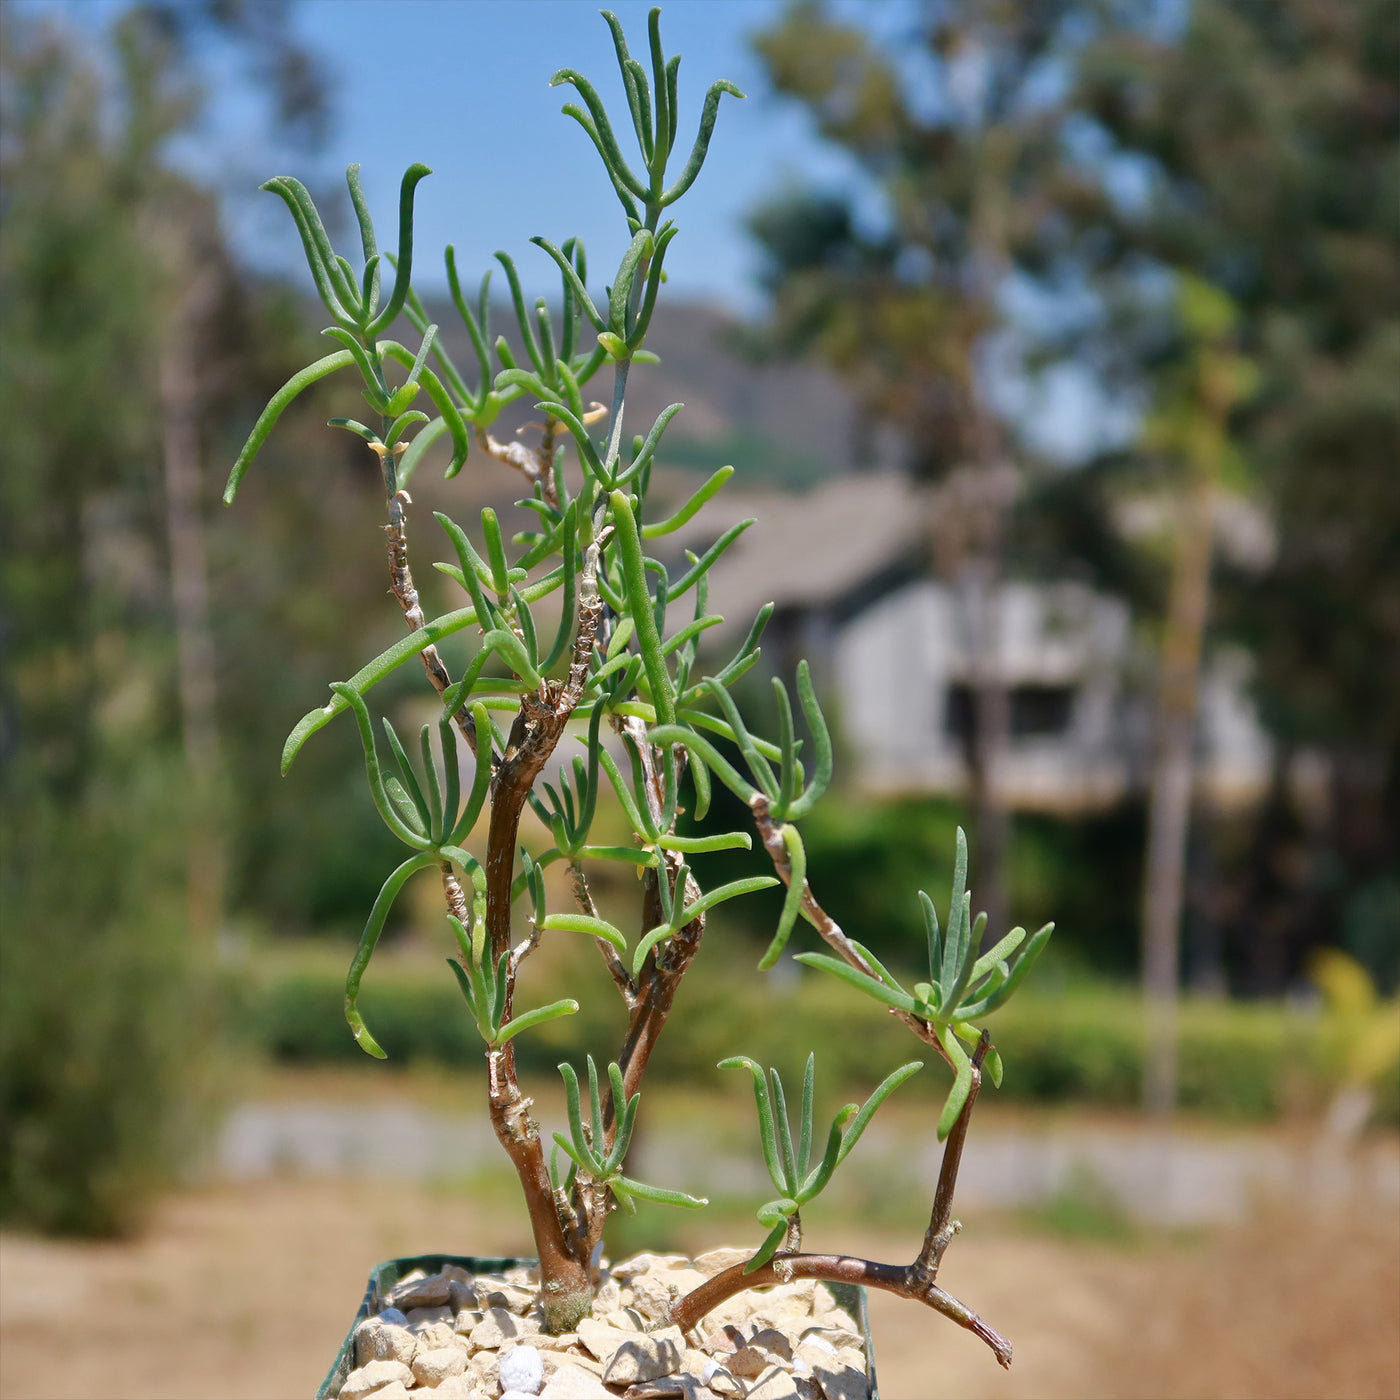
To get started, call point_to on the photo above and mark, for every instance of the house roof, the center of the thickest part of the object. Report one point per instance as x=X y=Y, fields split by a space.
x=808 y=550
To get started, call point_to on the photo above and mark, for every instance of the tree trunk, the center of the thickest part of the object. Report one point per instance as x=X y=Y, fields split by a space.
x=189 y=586
x=1170 y=802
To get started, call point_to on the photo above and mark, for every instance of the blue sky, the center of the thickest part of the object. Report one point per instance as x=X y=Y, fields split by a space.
x=463 y=86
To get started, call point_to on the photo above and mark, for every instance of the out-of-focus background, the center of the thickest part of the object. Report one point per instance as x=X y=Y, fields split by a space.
x=1057 y=348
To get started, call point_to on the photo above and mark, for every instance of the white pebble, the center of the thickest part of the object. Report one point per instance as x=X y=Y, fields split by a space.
x=395 y=1315
x=522 y=1371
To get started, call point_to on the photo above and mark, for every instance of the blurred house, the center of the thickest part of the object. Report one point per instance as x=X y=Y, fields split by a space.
x=844 y=566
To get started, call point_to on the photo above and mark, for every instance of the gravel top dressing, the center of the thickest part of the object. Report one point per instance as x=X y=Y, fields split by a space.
x=455 y=1335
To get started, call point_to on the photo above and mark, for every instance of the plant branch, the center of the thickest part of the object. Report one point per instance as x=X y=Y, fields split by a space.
x=942 y=1227
x=401 y=586
x=617 y=969
x=899 y=1279
x=536 y=732
x=770 y=832
x=914 y=1281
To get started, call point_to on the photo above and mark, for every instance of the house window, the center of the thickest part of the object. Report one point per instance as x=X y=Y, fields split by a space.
x=1036 y=711
x=1040 y=711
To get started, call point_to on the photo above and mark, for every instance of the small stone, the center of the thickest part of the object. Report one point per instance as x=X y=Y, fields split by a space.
x=395 y=1390
x=580 y=1358
x=571 y=1382
x=453 y=1388
x=724 y=1339
x=629 y=1269
x=645 y=1358
x=814 y=1350
x=365 y=1380
x=733 y=1312
x=423 y=1317
x=466 y=1321
x=395 y=1315
x=748 y=1362
x=522 y=1369
x=625 y=1319
x=770 y=1339
x=601 y=1338
x=437 y=1334
x=722 y=1383
x=774 y=1384
x=835 y=1337
x=435 y=1366
x=484 y=1369
x=514 y=1298
x=842 y=1382
x=461 y=1293
x=697 y=1363
x=837 y=1317
x=608 y=1297
x=377 y=1340
x=656 y=1290
x=853 y=1357
x=688 y=1387
x=429 y=1292
x=716 y=1261
x=562 y=1342
x=497 y=1327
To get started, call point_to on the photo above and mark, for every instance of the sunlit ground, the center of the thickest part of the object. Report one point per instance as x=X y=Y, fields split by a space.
x=244 y=1289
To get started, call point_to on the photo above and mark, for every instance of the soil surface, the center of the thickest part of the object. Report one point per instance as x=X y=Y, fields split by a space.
x=243 y=1292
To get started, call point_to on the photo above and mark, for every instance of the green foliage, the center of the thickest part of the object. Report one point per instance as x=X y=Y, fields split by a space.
x=623 y=653
x=106 y=1049
x=790 y=1166
x=584 y=1145
x=1268 y=138
x=964 y=983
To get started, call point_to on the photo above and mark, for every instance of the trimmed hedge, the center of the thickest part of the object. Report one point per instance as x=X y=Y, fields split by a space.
x=1084 y=1045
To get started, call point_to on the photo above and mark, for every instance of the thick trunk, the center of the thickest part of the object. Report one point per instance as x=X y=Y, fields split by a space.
x=1170 y=801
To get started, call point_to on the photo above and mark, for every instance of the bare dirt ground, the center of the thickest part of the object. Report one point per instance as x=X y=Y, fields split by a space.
x=243 y=1293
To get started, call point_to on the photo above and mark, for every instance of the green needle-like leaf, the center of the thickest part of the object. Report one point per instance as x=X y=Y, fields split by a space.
x=374 y=926
x=901 y=1000
x=277 y=405
x=537 y=1017
x=702 y=140
x=792 y=901
x=585 y=923
x=404 y=262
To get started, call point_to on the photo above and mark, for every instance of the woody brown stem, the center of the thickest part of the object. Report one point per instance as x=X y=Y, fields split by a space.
x=942 y=1227
x=899 y=1279
x=402 y=587
x=770 y=832
x=566 y=1284
x=914 y=1281
x=617 y=969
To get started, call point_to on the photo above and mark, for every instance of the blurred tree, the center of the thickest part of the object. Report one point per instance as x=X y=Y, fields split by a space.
x=1126 y=144
x=1266 y=138
x=956 y=124
x=113 y=276
x=1190 y=425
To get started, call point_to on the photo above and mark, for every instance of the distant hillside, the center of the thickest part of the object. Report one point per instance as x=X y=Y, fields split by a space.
x=775 y=424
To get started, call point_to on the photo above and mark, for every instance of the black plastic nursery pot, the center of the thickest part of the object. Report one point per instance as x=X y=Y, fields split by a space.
x=384 y=1276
